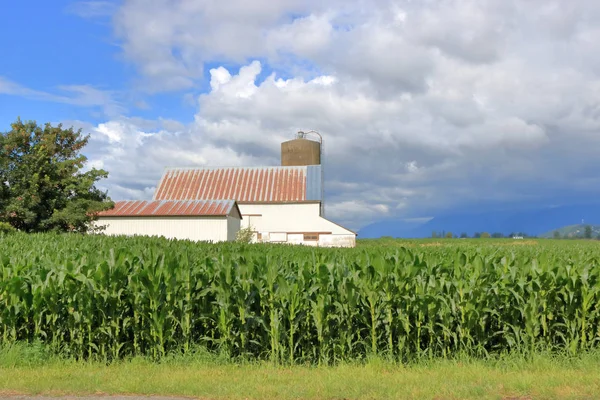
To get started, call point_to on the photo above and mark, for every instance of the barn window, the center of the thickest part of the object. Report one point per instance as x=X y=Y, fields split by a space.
x=311 y=237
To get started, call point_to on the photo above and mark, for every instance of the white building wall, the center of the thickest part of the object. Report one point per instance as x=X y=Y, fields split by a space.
x=214 y=229
x=287 y=223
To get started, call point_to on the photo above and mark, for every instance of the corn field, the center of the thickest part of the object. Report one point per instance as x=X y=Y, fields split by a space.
x=109 y=298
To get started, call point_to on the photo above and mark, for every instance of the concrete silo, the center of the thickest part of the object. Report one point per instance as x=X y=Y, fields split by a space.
x=300 y=151
x=305 y=152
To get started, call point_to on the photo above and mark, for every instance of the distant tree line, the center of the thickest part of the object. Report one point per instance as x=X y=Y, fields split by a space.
x=478 y=235
x=587 y=233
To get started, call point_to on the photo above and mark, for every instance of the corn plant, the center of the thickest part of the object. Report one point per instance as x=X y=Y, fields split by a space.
x=114 y=297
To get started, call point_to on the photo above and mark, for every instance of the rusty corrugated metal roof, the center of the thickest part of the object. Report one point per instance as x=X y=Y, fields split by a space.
x=172 y=208
x=243 y=184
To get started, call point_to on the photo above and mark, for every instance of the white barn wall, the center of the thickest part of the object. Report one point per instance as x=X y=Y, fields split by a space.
x=288 y=217
x=203 y=228
x=337 y=240
x=272 y=220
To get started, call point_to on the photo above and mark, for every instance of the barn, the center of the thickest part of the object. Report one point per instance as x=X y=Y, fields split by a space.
x=197 y=220
x=280 y=204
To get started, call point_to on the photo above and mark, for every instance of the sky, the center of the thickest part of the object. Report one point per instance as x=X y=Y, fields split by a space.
x=425 y=107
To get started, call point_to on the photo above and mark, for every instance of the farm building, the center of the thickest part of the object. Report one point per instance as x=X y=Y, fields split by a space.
x=281 y=204
x=198 y=220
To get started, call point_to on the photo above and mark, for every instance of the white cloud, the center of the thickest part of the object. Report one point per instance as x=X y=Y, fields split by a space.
x=423 y=105
x=306 y=36
x=411 y=166
x=241 y=85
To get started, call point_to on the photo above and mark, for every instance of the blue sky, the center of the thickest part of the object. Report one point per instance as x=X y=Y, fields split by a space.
x=63 y=47
x=426 y=107
x=49 y=47
x=71 y=43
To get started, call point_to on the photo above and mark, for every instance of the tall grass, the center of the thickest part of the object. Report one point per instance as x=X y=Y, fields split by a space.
x=109 y=298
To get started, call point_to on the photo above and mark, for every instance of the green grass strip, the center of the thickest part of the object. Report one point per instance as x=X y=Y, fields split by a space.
x=25 y=370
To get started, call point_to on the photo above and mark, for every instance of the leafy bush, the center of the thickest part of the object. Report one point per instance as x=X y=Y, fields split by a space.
x=245 y=235
x=6 y=228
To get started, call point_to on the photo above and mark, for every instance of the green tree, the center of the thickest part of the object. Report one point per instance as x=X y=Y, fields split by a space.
x=463 y=235
x=434 y=234
x=485 y=235
x=556 y=234
x=449 y=235
x=588 y=232
x=42 y=183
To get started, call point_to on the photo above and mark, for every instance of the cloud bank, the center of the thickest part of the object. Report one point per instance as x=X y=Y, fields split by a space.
x=424 y=106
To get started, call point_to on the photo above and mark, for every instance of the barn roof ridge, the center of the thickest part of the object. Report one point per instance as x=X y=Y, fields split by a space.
x=215 y=167
x=164 y=208
x=245 y=184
